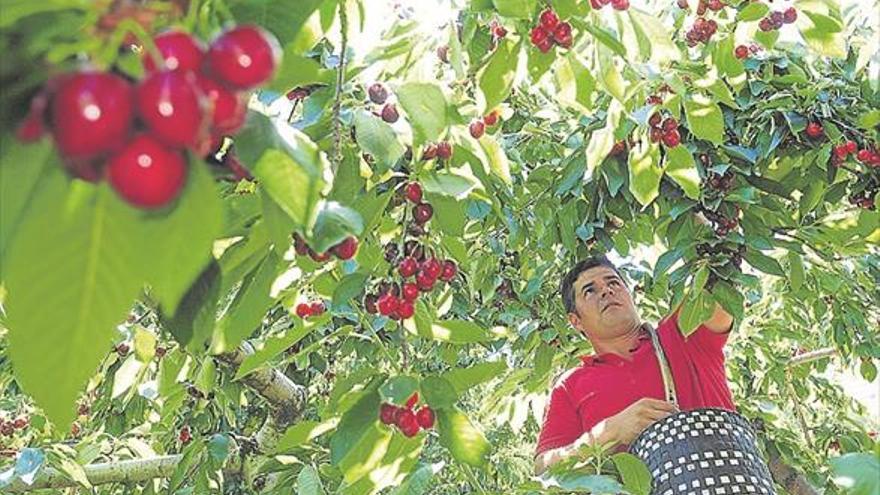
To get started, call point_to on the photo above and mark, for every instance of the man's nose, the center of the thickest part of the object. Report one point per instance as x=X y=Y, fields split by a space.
x=607 y=290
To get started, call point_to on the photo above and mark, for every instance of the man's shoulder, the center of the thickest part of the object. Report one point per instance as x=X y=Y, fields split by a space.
x=567 y=377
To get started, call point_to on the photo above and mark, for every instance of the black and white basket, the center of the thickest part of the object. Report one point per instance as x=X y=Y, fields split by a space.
x=702 y=451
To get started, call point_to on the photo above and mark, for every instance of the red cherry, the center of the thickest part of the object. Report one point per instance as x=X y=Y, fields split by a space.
x=545 y=45
x=146 y=173
x=491 y=118
x=443 y=53
x=244 y=57
x=387 y=304
x=432 y=268
x=387 y=412
x=425 y=282
x=538 y=34
x=656 y=135
x=422 y=213
x=444 y=150
x=346 y=249
x=840 y=151
x=864 y=155
x=410 y=291
x=596 y=4
x=425 y=418
x=562 y=32
x=412 y=401
x=814 y=130
x=672 y=138
x=226 y=108
x=549 y=19
x=303 y=310
x=499 y=32
x=160 y=352
x=405 y=310
x=790 y=15
x=179 y=50
x=654 y=120
x=765 y=24
x=408 y=267
x=299 y=244
x=389 y=113
x=20 y=423
x=670 y=124
x=450 y=269
x=620 y=4
x=414 y=192
x=31 y=129
x=477 y=128
x=184 y=436
x=168 y=103
x=319 y=257
x=378 y=94
x=317 y=308
x=430 y=152
x=741 y=52
x=122 y=349
x=715 y=5
x=850 y=147
x=91 y=114
x=407 y=423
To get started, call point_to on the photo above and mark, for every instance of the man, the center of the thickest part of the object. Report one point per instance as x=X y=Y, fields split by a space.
x=618 y=392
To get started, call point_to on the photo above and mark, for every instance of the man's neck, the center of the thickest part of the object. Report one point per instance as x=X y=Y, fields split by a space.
x=621 y=344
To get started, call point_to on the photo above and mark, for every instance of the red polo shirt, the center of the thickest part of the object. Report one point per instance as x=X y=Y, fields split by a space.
x=605 y=385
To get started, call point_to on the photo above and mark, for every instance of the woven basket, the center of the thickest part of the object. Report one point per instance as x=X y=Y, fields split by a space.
x=705 y=451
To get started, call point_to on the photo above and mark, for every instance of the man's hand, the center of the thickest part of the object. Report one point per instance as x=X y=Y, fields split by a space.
x=626 y=425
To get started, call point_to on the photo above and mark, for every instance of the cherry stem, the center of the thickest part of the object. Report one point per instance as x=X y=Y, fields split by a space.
x=127 y=26
x=336 y=159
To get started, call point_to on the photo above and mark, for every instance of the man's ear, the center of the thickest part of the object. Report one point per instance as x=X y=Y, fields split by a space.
x=575 y=321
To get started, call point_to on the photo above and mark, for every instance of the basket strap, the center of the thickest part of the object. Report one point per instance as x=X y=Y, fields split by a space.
x=665 y=370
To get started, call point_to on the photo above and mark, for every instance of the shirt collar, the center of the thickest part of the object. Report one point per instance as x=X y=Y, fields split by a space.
x=596 y=359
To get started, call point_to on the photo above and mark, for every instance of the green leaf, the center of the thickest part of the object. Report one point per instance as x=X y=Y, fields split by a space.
x=194 y=222
x=680 y=166
x=591 y=483
x=575 y=83
x=727 y=63
x=464 y=441
x=418 y=482
x=645 y=172
x=285 y=21
x=378 y=139
x=729 y=298
x=521 y=9
x=308 y=482
x=298 y=70
x=144 y=344
x=380 y=460
x=666 y=260
x=763 y=262
x=194 y=320
x=635 y=474
x=362 y=416
x=752 y=12
x=704 y=118
x=857 y=473
x=697 y=308
x=449 y=214
x=439 y=393
x=398 y=389
x=303 y=433
x=796 y=270
x=425 y=107
x=609 y=76
x=606 y=38
x=458 y=332
x=273 y=347
x=244 y=315
x=335 y=223
x=349 y=287
x=497 y=158
x=463 y=379
x=662 y=48
x=825 y=43
x=447 y=183
x=277 y=222
x=496 y=80
x=75 y=267
x=286 y=163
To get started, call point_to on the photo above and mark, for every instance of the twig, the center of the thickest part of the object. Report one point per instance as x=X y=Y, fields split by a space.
x=811 y=356
x=340 y=76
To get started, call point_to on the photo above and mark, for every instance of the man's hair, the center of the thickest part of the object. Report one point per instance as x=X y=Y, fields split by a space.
x=567 y=286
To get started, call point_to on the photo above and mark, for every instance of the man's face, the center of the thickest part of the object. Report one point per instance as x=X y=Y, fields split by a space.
x=603 y=304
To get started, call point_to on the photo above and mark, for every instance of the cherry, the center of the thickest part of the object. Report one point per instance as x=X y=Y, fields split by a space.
x=299 y=244
x=390 y=252
x=412 y=401
x=715 y=5
x=425 y=417
x=387 y=304
x=444 y=150
x=562 y=34
x=682 y=4
x=414 y=192
x=430 y=152
x=814 y=130
x=840 y=151
x=20 y=423
x=850 y=147
x=443 y=53
x=244 y=57
x=450 y=269
x=405 y=310
x=670 y=124
x=7 y=429
x=620 y=4
x=414 y=249
x=656 y=135
x=424 y=281
x=741 y=52
x=91 y=114
x=378 y=94
x=160 y=352
x=303 y=310
x=790 y=15
x=538 y=34
x=672 y=138
x=227 y=109
x=864 y=155
x=408 y=267
x=410 y=291
x=31 y=129
x=499 y=32
x=168 y=103
x=122 y=349
x=389 y=113
x=491 y=118
x=432 y=268
x=654 y=120
x=477 y=128
x=387 y=412
x=423 y=212
x=407 y=423
x=317 y=308
x=184 y=436
x=179 y=51
x=346 y=249
x=370 y=304
x=549 y=19
x=319 y=257
x=654 y=100
x=701 y=7
x=146 y=173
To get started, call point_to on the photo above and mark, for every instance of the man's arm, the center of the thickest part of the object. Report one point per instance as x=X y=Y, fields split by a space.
x=599 y=435
x=720 y=322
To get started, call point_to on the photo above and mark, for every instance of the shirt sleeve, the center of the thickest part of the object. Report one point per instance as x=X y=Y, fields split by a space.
x=562 y=425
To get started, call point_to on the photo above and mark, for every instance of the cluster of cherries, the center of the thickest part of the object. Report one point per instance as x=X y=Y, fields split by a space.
x=441 y=151
x=616 y=4
x=666 y=131
x=656 y=98
x=550 y=30
x=722 y=224
x=408 y=421
x=7 y=428
x=742 y=51
x=135 y=134
x=720 y=182
x=497 y=30
x=478 y=126
x=314 y=308
x=345 y=250
x=701 y=31
x=774 y=20
x=703 y=5
x=379 y=95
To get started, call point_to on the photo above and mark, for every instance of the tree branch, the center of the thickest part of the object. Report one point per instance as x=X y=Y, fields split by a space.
x=336 y=159
x=788 y=477
x=811 y=356
x=129 y=471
